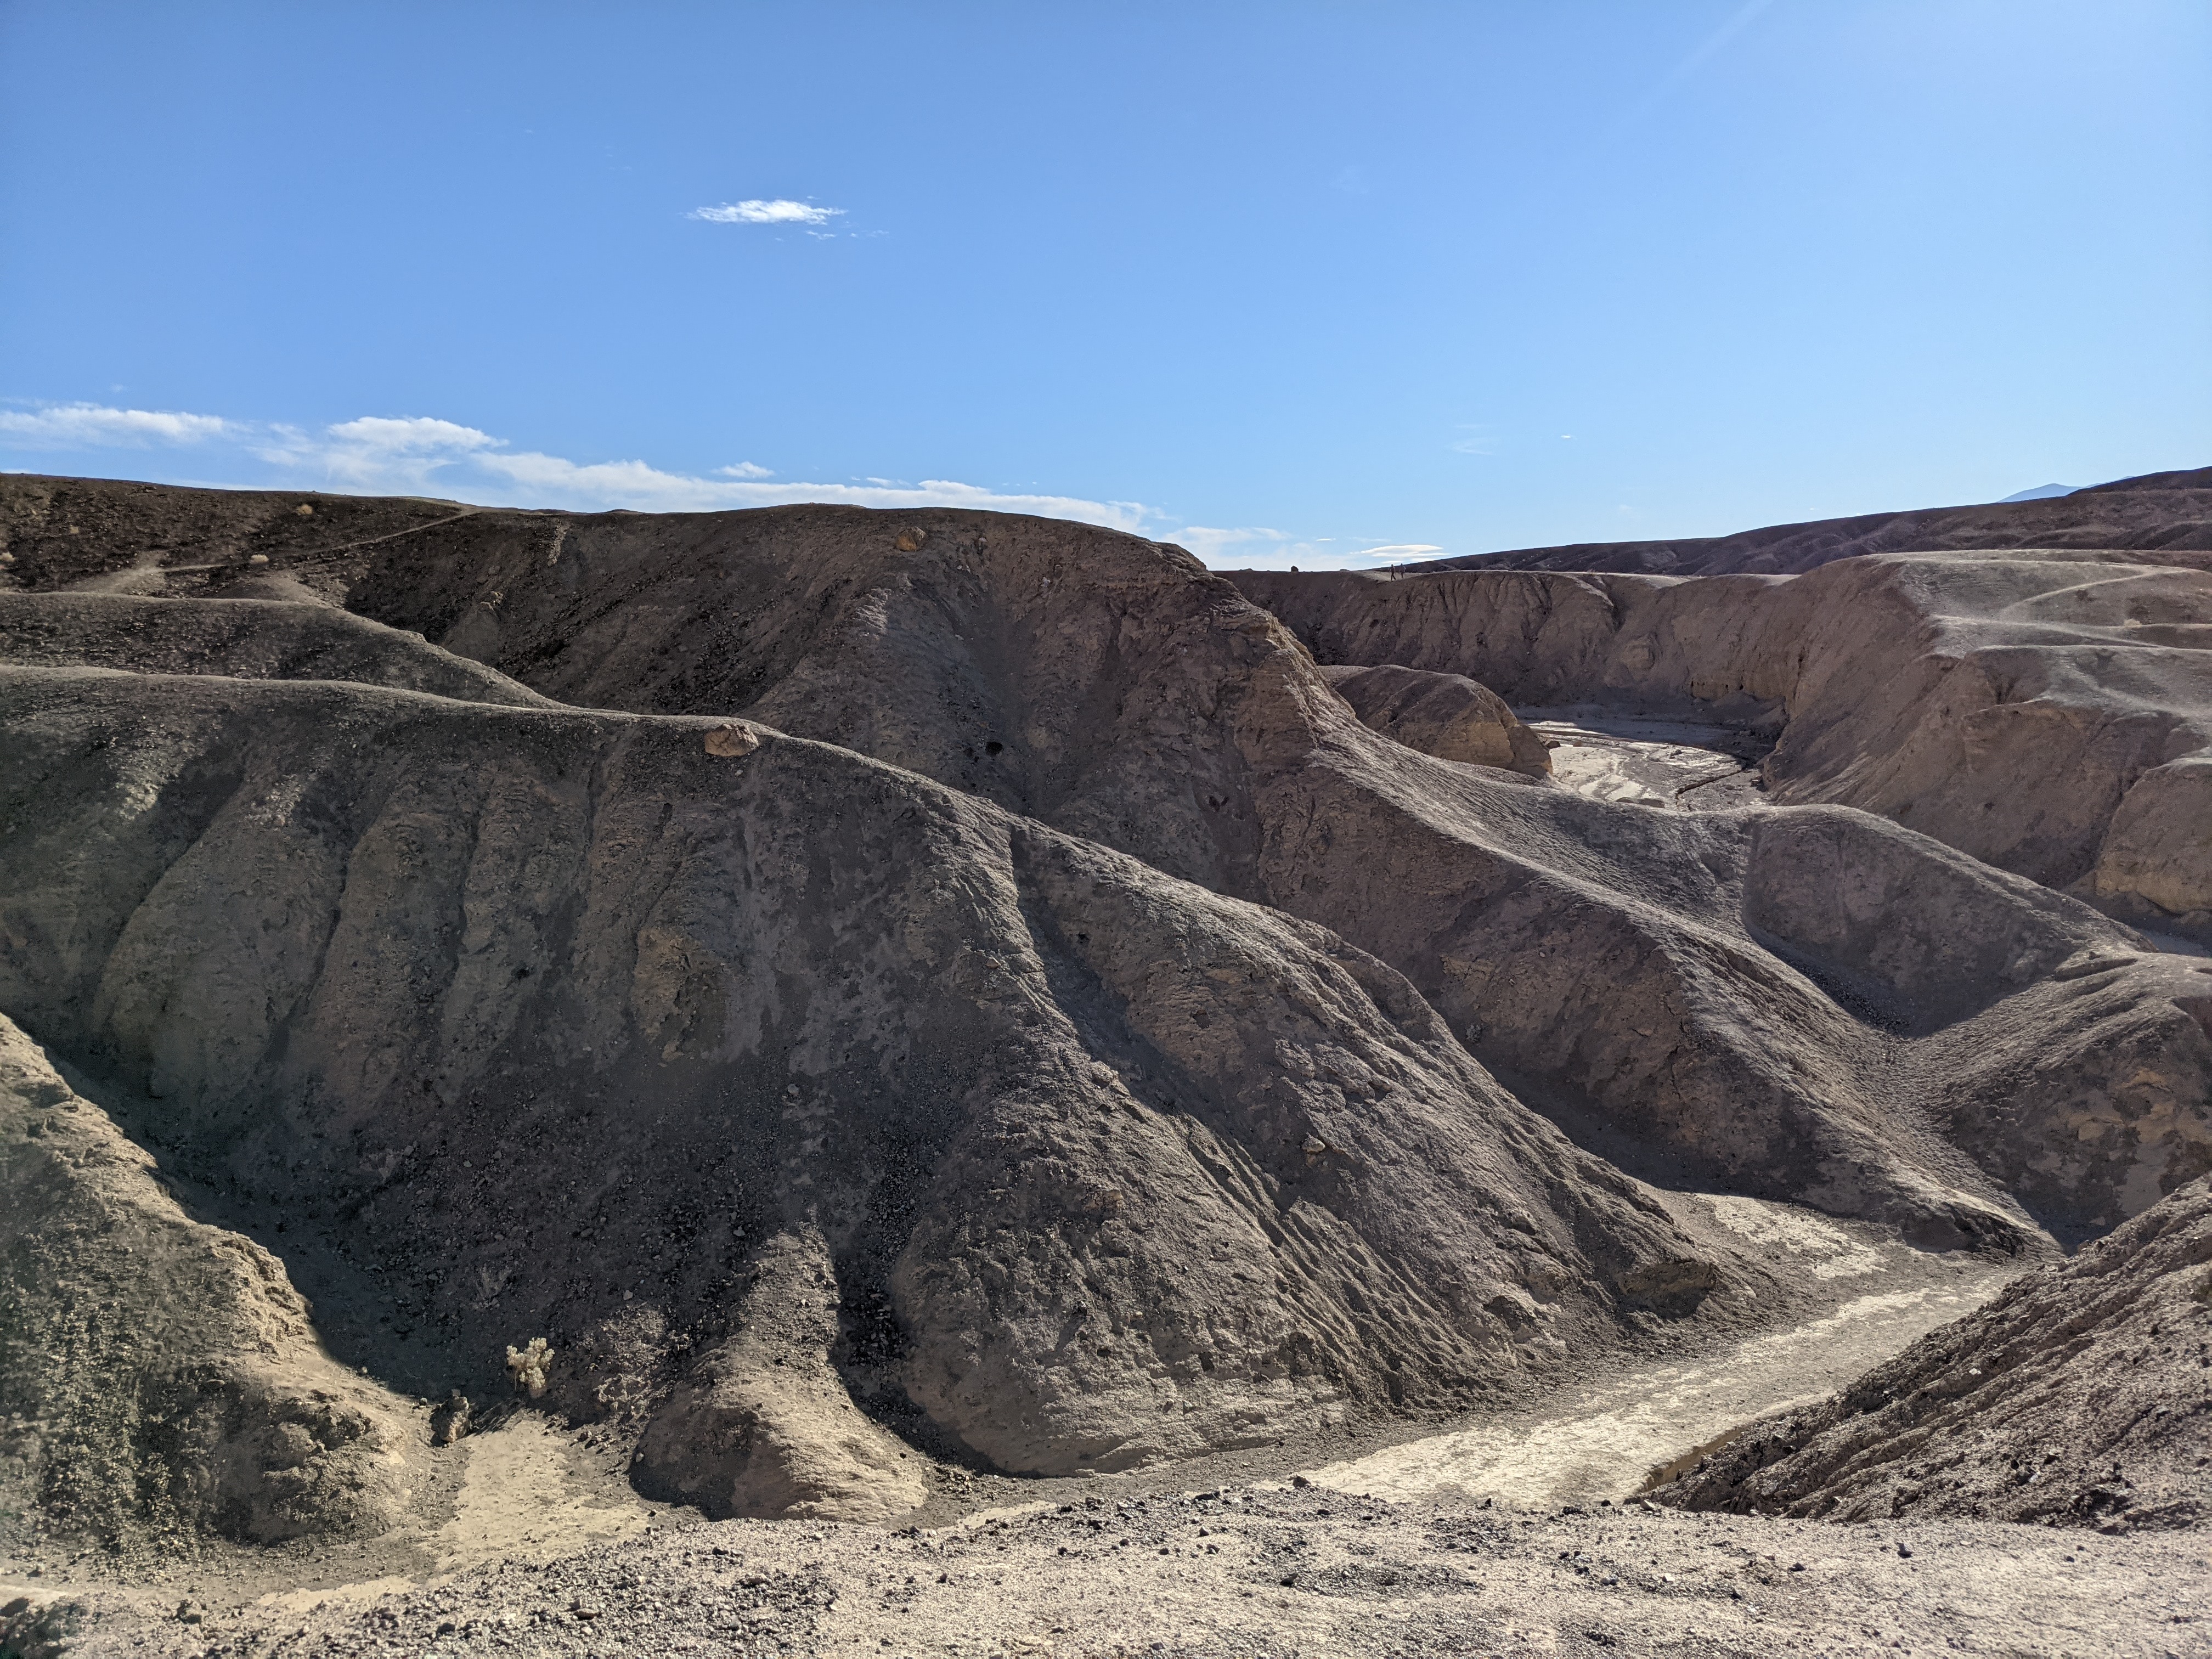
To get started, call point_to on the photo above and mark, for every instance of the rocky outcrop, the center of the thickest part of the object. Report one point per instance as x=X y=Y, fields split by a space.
x=1110 y=688
x=2081 y=1396
x=1114 y=690
x=159 y=1377
x=1001 y=927
x=1447 y=715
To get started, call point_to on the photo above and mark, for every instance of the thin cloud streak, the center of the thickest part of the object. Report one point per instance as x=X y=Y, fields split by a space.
x=1737 y=21
x=1206 y=542
x=1397 y=553
x=1255 y=547
x=79 y=426
x=780 y=211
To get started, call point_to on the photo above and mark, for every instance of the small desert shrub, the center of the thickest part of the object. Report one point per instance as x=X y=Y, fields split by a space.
x=528 y=1366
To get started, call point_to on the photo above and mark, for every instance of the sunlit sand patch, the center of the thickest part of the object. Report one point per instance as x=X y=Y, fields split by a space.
x=1799 y=1232
x=529 y=1494
x=358 y=1594
x=1640 y=763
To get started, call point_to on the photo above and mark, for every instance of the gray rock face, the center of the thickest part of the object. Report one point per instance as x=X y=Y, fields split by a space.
x=2081 y=1396
x=560 y=1011
x=1600 y=958
x=1092 y=681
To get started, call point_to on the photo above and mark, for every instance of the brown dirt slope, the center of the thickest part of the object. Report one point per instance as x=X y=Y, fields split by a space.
x=2081 y=1396
x=1118 y=691
x=245 y=639
x=1447 y=715
x=1058 y=975
x=120 y=535
x=2169 y=513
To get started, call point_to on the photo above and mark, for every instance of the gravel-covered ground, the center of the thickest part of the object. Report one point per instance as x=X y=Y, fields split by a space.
x=1264 y=1570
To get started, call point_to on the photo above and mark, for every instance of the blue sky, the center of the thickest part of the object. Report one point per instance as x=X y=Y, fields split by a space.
x=1287 y=282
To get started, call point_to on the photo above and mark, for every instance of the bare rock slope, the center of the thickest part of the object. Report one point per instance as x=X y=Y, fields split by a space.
x=1118 y=691
x=544 y=1020
x=2082 y=1395
x=1447 y=715
x=763 y=1425
x=1115 y=690
x=237 y=638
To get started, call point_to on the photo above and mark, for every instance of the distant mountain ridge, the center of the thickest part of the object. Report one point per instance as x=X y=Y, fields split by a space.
x=2050 y=492
x=2167 y=516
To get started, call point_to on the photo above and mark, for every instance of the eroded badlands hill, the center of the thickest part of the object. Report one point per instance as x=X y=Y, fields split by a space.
x=870 y=988
x=2048 y=712
x=2168 y=514
x=557 y=1022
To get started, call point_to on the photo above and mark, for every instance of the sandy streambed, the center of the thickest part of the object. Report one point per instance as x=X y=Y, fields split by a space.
x=1603 y=1441
x=1649 y=762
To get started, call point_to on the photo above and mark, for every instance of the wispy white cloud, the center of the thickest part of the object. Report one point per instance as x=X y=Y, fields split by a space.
x=82 y=426
x=418 y=455
x=380 y=454
x=374 y=454
x=1397 y=553
x=780 y=211
x=1210 y=544
x=541 y=480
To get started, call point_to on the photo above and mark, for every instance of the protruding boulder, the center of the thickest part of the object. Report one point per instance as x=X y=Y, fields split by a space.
x=731 y=739
x=1447 y=715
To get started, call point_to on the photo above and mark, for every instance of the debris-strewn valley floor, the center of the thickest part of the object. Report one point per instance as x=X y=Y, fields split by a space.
x=806 y=1081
